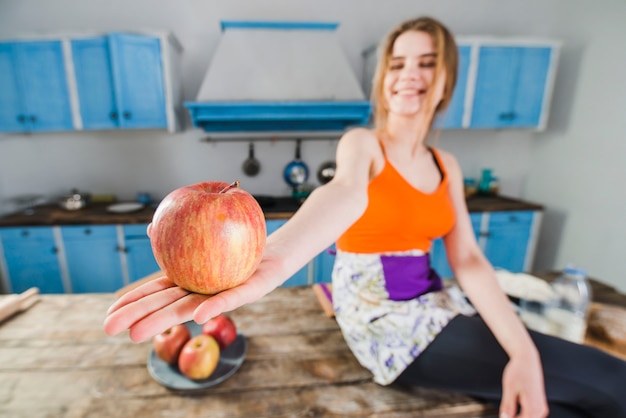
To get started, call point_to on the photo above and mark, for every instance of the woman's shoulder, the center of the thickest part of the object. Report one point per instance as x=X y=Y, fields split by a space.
x=361 y=138
x=449 y=161
x=360 y=134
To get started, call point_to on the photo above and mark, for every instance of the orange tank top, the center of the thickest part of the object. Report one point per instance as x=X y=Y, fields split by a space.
x=399 y=217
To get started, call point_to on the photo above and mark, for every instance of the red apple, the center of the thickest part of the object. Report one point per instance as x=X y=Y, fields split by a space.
x=168 y=344
x=222 y=328
x=208 y=237
x=199 y=357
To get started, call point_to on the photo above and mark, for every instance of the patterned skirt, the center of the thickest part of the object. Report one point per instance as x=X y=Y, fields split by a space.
x=390 y=307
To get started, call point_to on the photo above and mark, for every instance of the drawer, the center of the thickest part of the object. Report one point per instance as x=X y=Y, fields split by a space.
x=76 y=232
x=135 y=231
x=513 y=218
x=27 y=233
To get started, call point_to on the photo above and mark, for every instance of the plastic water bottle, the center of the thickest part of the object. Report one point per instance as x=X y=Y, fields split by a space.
x=567 y=314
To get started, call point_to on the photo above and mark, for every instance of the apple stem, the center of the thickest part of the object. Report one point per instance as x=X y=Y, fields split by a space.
x=233 y=185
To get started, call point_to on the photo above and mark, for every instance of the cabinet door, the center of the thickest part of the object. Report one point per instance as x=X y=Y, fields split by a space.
x=139 y=256
x=94 y=83
x=453 y=116
x=39 y=73
x=507 y=240
x=438 y=256
x=510 y=86
x=31 y=259
x=323 y=267
x=138 y=77
x=301 y=277
x=93 y=258
x=532 y=82
x=12 y=109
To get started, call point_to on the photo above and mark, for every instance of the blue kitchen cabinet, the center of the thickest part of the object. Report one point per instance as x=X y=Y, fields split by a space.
x=438 y=257
x=453 y=115
x=507 y=238
x=93 y=258
x=301 y=278
x=323 y=265
x=510 y=86
x=34 y=94
x=31 y=259
x=120 y=82
x=139 y=257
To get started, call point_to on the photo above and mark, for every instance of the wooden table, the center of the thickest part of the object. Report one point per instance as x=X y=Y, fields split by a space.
x=55 y=361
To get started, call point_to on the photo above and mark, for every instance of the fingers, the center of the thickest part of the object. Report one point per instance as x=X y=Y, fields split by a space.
x=231 y=299
x=508 y=404
x=141 y=304
x=152 y=286
x=158 y=321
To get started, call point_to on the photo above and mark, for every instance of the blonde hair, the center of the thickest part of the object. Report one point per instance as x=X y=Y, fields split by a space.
x=446 y=64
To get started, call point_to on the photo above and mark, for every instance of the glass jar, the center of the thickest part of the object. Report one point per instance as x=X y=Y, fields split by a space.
x=567 y=313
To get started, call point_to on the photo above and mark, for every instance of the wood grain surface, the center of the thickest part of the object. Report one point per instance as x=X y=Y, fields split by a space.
x=55 y=361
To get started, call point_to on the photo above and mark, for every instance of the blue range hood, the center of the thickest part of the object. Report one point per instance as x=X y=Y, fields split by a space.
x=279 y=77
x=278 y=116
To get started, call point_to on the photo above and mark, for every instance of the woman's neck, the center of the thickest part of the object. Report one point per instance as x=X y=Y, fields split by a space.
x=407 y=132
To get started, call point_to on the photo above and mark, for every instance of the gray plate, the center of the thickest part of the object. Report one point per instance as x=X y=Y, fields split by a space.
x=231 y=358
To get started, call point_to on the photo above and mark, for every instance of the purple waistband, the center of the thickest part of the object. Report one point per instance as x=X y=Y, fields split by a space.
x=407 y=277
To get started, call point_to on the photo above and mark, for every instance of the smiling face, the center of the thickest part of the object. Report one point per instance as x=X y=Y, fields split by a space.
x=410 y=84
x=416 y=71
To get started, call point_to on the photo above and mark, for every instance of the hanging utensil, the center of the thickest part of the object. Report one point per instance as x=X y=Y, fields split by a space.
x=296 y=172
x=326 y=171
x=251 y=166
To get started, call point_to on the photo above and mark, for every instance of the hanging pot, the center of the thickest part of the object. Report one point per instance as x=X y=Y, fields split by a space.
x=251 y=166
x=296 y=172
x=326 y=171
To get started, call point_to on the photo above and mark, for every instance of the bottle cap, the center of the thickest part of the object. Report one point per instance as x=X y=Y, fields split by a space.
x=575 y=271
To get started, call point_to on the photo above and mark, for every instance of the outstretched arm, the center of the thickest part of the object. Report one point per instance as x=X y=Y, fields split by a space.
x=327 y=212
x=522 y=380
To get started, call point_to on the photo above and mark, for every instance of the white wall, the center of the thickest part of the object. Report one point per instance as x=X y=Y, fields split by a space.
x=584 y=125
x=577 y=167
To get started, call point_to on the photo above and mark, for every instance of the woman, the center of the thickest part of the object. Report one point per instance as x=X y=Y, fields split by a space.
x=390 y=197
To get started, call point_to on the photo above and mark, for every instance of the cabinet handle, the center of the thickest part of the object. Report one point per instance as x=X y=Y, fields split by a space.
x=25 y=233
x=127 y=115
x=113 y=115
x=33 y=118
x=87 y=231
x=55 y=250
x=21 y=118
x=486 y=234
x=507 y=116
x=121 y=249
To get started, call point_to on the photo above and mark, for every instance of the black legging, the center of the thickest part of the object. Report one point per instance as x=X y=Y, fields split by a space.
x=465 y=357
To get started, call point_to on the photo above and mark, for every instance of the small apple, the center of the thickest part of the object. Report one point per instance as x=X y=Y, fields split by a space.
x=222 y=328
x=209 y=236
x=168 y=344
x=199 y=357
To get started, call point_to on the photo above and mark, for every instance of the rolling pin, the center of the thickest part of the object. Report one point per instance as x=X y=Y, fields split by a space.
x=12 y=304
x=324 y=295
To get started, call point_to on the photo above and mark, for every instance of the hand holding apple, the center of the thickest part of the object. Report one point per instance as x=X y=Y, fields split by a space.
x=222 y=328
x=169 y=343
x=199 y=357
x=208 y=237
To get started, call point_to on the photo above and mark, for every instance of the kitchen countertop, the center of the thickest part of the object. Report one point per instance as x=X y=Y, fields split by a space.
x=56 y=361
x=273 y=207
